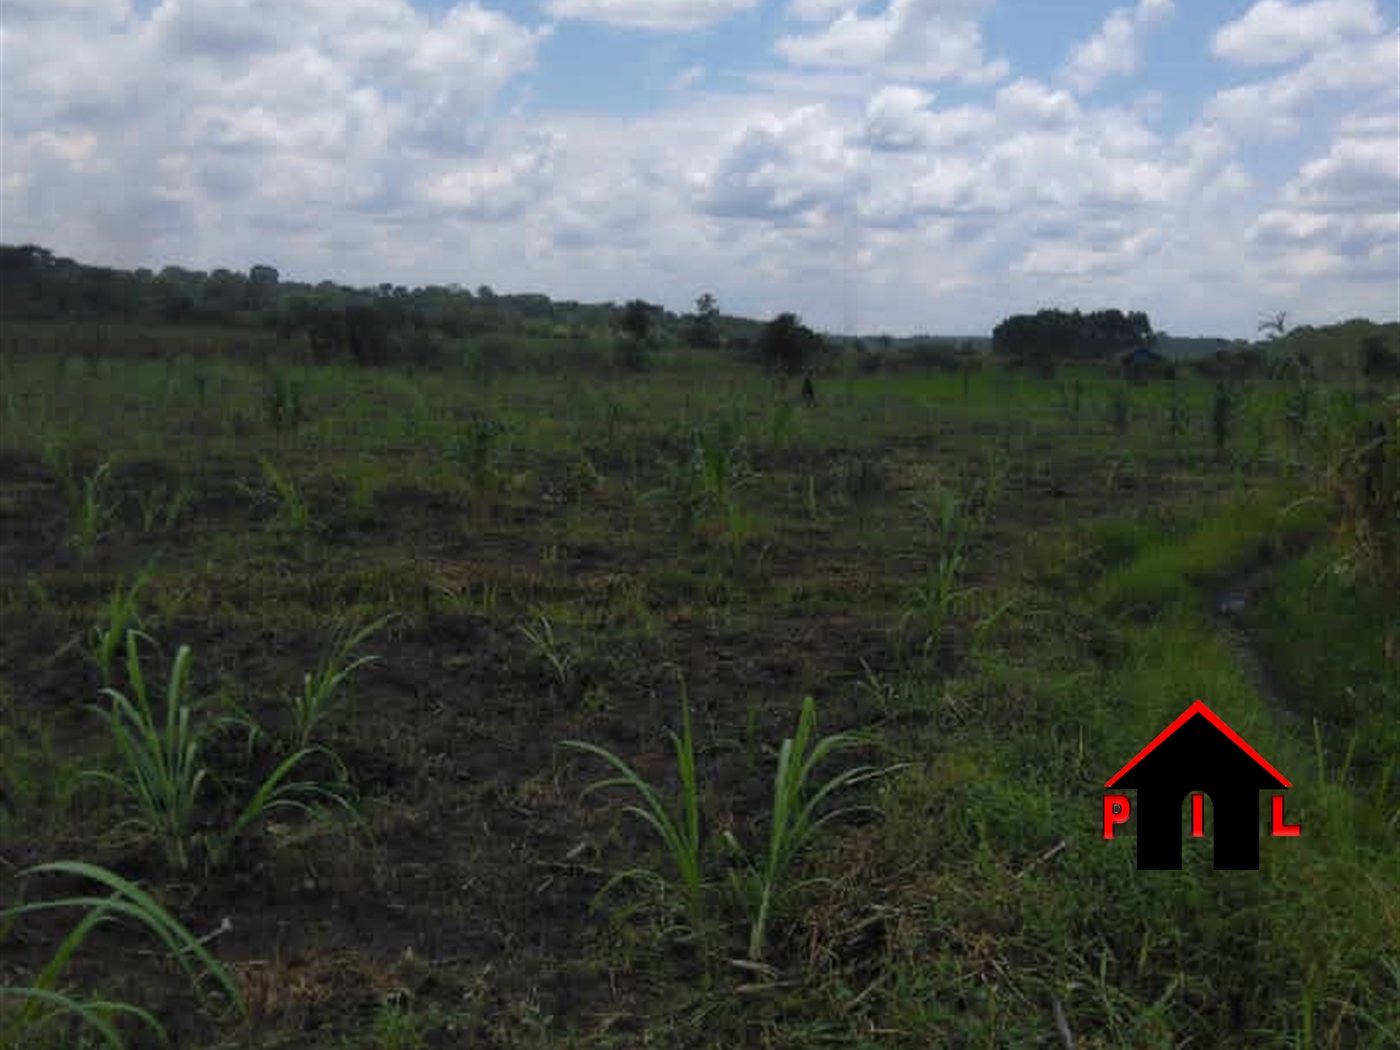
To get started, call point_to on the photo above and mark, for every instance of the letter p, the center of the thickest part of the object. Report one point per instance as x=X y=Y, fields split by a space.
x=1115 y=811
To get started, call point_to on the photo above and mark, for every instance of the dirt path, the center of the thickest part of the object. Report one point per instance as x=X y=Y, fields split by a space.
x=1231 y=603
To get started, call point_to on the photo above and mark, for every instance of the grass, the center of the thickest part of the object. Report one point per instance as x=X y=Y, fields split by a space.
x=981 y=908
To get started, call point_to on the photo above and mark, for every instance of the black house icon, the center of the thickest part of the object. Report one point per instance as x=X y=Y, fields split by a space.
x=1198 y=752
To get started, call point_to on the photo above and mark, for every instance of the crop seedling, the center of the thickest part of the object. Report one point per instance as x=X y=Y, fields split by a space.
x=931 y=602
x=319 y=688
x=93 y=512
x=678 y=827
x=797 y=818
x=475 y=450
x=162 y=771
x=107 y=638
x=560 y=660
x=44 y=1003
x=159 y=512
x=293 y=511
x=285 y=410
x=1118 y=411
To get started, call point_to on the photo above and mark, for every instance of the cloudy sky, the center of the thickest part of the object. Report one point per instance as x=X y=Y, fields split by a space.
x=886 y=165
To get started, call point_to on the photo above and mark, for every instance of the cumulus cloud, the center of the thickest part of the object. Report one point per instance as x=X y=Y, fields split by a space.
x=782 y=166
x=888 y=175
x=1341 y=212
x=1115 y=49
x=1274 y=107
x=650 y=14
x=239 y=114
x=1275 y=31
x=920 y=40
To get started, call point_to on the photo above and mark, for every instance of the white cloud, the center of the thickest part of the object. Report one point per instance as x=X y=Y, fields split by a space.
x=874 y=182
x=819 y=10
x=1115 y=49
x=918 y=40
x=1275 y=31
x=1358 y=174
x=901 y=118
x=650 y=14
x=687 y=78
x=1273 y=108
x=781 y=167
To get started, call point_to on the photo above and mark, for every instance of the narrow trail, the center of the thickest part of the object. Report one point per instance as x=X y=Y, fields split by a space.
x=1230 y=604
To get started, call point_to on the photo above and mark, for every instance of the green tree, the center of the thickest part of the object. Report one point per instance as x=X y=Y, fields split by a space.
x=637 y=320
x=787 y=345
x=704 y=323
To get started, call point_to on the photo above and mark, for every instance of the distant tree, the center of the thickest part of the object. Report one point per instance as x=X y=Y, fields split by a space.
x=1378 y=361
x=787 y=345
x=1048 y=336
x=704 y=323
x=637 y=320
x=367 y=334
x=1275 y=326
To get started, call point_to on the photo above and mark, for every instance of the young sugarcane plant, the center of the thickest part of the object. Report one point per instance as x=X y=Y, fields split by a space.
x=42 y=1002
x=796 y=819
x=678 y=827
x=319 y=688
x=161 y=769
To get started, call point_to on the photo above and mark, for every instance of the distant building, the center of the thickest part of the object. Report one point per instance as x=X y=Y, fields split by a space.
x=261 y=274
x=1143 y=363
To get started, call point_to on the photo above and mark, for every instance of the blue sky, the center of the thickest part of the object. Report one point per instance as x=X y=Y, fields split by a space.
x=889 y=165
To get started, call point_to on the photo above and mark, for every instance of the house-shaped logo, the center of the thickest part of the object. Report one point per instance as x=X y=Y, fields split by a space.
x=1200 y=754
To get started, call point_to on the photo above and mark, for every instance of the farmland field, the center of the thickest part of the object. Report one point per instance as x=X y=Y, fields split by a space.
x=1002 y=587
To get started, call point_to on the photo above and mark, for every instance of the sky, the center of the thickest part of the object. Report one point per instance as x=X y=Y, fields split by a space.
x=895 y=166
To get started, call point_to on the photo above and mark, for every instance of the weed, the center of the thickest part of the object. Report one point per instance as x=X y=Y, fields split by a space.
x=43 y=1004
x=397 y=1026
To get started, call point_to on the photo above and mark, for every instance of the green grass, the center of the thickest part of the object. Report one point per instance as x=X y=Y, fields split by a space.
x=1072 y=571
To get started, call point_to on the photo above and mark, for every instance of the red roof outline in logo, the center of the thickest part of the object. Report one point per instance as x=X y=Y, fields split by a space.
x=1198 y=708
